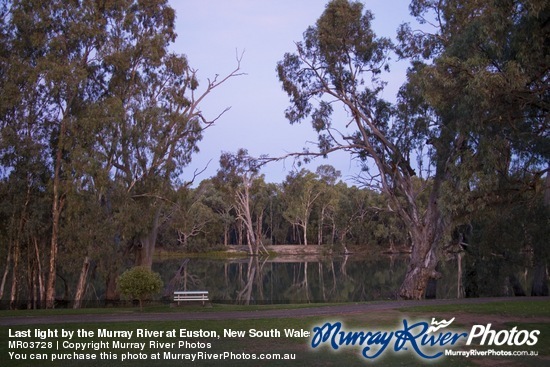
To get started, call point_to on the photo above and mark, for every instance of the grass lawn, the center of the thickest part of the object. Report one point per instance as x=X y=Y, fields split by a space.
x=522 y=315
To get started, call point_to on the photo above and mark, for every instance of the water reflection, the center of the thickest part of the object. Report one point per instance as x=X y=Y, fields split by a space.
x=258 y=281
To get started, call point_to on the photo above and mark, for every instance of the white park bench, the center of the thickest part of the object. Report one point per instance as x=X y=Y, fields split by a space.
x=186 y=296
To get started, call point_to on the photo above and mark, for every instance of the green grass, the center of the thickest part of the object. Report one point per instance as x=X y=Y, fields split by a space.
x=537 y=308
x=161 y=308
x=305 y=356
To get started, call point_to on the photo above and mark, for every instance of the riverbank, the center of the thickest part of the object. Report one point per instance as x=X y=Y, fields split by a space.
x=300 y=251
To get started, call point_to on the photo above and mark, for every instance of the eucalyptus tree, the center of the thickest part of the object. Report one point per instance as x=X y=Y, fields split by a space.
x=261 y=200
x=239 y=172
x=488 y=89
x=216 y=199
x=24 y=168
x=274 y=220
x=328 y=176
x=154 y=115
x=45 y=80
x=190 y=217
x=481 y=101
x=301 y=191
x=347 y=215
x=267 y=204
x=338 y=64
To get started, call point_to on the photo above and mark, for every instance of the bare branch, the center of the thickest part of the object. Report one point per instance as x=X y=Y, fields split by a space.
x=196 y=173
x=212 y=84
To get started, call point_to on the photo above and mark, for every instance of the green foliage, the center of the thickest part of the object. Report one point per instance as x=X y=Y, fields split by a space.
x=139 y=283
x=484 y=81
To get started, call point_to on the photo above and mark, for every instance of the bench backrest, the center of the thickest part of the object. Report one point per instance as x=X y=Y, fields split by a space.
x=191 y=293
x=191 y=296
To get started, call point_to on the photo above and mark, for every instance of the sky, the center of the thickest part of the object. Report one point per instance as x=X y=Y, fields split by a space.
x=212 y=32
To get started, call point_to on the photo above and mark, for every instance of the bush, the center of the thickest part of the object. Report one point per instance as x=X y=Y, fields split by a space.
x=139 y=283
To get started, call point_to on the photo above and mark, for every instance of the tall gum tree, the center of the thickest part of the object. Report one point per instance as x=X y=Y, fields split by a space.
x=338 y=64
x=25 y=170
x=488 y=86
x=54 y=42
x=155 y=117
x=238 y=173
x=302 y=190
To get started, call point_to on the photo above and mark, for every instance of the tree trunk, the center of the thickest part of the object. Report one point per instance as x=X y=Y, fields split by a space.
x=547 y=189
x=426 y=229
x=540 y=280
x=517 y=288
x=81 y=287
x=145 y=252
x=343 y=242
x=260 y=247
x=57 y=206
x=252 y=241
x=423 y=261
x=6 y=272
x=459 y=285
x=304 y=226
x=111 y=294
x=16 y=247
x=244 y=202
x=225 y=234
x=239 y=231
x=32 y=285
x=320 y=229
x=15 y=270
x=421 y=268
x=50 y=285
x=41 y=287
x=540 y=277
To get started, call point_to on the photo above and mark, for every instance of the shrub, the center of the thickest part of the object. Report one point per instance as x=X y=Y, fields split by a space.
x=139 y=283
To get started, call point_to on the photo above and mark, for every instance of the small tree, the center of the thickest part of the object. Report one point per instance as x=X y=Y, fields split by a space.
x=139 y=282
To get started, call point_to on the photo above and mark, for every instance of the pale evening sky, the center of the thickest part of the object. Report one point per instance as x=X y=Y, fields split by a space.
x=211 y=31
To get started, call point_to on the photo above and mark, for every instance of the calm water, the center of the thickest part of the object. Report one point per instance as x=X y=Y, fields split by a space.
x=337 y=279
x=254 y=280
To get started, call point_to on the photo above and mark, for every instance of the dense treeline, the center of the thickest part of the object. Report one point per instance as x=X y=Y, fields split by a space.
x=306 y=209
x=98 y=120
